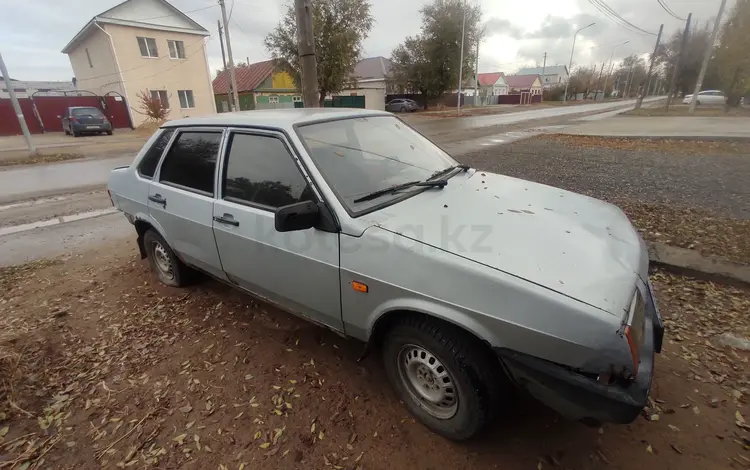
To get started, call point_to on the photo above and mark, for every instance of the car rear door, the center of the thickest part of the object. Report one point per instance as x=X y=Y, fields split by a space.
x=181 y=197
x=297 y=270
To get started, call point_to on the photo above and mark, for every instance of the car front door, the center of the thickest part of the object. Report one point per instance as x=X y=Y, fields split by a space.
x=297 y=270
x=181 y=197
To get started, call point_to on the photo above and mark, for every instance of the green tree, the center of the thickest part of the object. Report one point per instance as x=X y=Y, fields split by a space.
x=340 y=26
x=732 y=58
x=635 y=75
x=429 y=63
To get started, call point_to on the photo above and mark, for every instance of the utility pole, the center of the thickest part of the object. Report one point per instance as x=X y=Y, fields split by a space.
x=629 y=80
x=598 y=81
x=707 y=57
x=476 y=77
x=224 y=61
x=677 y=62
x=544 y=70
x=306 y=51
x=461 y=64
x=229 y=53
x=17 y=107
x=639 y=101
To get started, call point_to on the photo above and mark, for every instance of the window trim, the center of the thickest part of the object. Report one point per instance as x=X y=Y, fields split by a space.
x=88 y=56
x=178 y=131
x=145 y=39
x=175 y=41
x=162 y=130
x=263 y=132
x=166 y=93
x=192 y=95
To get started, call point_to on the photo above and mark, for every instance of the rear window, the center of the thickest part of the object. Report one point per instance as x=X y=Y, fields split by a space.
x=150 y=161
x=94 y=112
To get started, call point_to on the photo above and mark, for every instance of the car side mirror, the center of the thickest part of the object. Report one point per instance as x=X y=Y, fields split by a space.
x=59 y=117
x=298 y=216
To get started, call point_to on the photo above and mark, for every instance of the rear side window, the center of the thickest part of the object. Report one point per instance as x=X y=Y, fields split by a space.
x=260 y=170
x=150 y=161
x=191 y=160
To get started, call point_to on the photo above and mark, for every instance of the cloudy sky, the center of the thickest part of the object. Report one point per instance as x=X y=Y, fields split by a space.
x=518 y=33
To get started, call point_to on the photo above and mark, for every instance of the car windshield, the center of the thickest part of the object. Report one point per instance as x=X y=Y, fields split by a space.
x=358 y=156
x=93 y=112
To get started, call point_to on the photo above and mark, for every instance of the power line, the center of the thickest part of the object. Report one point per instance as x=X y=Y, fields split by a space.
x=668 y=10
x=231 y=10
x=617 y=18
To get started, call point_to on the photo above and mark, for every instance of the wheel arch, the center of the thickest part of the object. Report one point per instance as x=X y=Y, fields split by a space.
x=387 y=317
x=142 y=225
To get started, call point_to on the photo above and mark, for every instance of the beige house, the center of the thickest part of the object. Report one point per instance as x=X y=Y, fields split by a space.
x=145 y=46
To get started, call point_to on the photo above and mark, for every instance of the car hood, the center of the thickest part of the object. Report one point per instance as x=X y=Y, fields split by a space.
x=575 y=245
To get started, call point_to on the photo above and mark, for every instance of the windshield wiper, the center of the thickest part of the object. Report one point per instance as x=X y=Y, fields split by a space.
x=448 y=170
x=398 y=187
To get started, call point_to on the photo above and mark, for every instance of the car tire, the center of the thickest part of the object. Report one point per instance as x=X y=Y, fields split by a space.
x=163 y=262
x=403 y=109
x=698 y=102
x=109 y=132
x=67 y=132
x=75 y=134
x=445 y=376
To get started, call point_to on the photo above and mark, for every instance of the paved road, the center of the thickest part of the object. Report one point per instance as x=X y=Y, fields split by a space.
x=672 y=126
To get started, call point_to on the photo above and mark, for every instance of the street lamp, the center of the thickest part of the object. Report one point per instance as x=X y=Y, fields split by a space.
x=612 y=65
x=570 y=65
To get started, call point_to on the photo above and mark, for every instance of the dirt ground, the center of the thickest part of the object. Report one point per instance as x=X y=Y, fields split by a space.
x=679 y=109
x=102 y=367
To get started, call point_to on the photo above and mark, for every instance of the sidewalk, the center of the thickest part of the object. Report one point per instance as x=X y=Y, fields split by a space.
x=694 y=128
x=123 y=140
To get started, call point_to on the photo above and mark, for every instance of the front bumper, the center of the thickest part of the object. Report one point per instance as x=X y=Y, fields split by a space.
x=577 y=396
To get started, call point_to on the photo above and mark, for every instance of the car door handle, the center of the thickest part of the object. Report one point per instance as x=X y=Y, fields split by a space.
x=158 y=199
x=224 y=220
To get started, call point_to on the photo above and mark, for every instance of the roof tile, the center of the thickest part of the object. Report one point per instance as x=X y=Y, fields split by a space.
x=248 y=77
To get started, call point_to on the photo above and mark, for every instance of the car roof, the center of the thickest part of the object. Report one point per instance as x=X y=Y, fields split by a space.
x=281 y=118
x=82 y=107
x=710 y=91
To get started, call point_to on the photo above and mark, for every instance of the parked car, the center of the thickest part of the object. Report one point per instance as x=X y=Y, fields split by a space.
x=401 y=105
x=709 y=97
x=466 y=281
x=85 y=120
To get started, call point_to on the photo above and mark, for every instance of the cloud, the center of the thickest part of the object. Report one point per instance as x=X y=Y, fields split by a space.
x=502 y=26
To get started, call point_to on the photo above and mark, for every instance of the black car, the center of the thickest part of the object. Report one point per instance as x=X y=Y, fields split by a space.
x=85 y=119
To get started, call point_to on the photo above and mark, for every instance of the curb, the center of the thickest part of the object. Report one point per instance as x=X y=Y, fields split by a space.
x=693 y=263
x=694 y=138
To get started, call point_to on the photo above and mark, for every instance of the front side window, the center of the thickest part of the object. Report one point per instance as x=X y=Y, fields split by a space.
x=191 y=161
x=148 y=164
x=358 y=156
x=176 y=49
x=260 y=170
x=148 y=47
x=186 y=99
x=161 y=95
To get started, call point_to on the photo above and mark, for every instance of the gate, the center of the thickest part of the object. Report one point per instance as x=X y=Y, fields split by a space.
x=41 y=111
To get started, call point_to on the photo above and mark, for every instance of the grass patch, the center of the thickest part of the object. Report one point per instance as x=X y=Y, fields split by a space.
x=692 y=147
x=41 y=158
x=677 y=110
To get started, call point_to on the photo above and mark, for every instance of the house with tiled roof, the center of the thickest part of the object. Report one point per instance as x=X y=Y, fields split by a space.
x=524 y=84
x=551 y=75
x=261 y=85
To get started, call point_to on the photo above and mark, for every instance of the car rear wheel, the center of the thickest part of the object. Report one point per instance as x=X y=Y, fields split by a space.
x=403 y=109
x=109 y=132
x=163 y=262
x=446 y=377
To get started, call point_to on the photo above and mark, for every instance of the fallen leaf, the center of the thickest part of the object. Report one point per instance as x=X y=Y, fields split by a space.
x=265 y=445
x=673 y=428
x=649 y=449
x=696 y=410
x=321 y=435
x=186 y=409
x=675 y=448
x=737 y=415
x=257 y=435
x=180 y=439
x=4 y=430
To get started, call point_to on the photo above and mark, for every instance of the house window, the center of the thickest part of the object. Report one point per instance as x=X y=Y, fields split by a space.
x=88 y=56
x=186 y=99
x=161 y=95
x=273 y=99
x=148 y=47
x=176 y=49
x=297 y=99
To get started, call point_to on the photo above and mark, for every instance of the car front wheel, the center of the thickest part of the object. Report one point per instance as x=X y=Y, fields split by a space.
x=446 y=377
